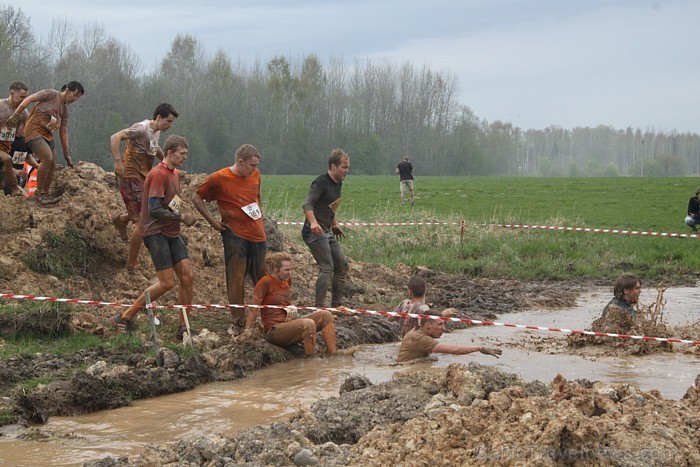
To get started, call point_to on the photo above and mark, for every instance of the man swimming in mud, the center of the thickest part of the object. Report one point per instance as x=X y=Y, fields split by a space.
x=619 y=314
x=415 y=304
x=419 y=343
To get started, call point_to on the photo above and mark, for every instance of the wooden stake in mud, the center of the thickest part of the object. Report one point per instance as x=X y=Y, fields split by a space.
x=189 y=331
x=152 y=320
x=461 y=237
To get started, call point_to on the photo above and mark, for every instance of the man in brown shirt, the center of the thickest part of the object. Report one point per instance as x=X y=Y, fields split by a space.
x=160 y=228
x=48 y=115
x=419 y=343
x=141 y=151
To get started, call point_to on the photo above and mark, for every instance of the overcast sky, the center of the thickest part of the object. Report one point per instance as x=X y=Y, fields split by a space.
x=534 y=63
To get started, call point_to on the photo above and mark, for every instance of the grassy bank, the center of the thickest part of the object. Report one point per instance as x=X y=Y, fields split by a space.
x=656 y=204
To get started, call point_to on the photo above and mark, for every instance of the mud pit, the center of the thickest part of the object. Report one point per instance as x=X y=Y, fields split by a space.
x=553 y=420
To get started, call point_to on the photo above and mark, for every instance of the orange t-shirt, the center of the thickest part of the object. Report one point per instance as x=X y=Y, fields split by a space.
x=161 y=182
x=270 y=291
x=232 y=193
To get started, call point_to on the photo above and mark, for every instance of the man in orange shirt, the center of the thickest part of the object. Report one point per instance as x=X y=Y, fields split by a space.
x=236 y=190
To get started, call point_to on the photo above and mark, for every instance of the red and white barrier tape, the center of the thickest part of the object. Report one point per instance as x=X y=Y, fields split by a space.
x=378 y=224
x=594 y=230
x=366 y=312
x=511 y=226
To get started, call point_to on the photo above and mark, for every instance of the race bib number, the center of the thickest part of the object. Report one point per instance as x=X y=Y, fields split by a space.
x=153 y=148
x=252 y=211
x=175 y=204
x=7 y=134
x=18 y=157
x=53 y=124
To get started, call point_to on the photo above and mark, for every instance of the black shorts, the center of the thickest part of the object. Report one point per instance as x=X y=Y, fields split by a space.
x=165 y=252
x=40 y=138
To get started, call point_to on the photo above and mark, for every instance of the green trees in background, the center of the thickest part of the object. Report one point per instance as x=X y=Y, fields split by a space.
x=295 y=110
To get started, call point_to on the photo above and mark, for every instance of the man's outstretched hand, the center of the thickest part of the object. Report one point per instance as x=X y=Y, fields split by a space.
x=493 y=352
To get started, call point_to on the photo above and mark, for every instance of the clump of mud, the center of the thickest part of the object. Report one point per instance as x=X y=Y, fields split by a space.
x=461 y=415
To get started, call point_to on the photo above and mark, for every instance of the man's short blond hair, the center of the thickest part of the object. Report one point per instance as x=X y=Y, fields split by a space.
x=246 y=152
x=175 y=142
x=336 y=157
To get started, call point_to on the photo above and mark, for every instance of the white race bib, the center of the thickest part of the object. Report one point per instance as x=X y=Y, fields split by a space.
x=53 y=124
x=253 y=211
x=19 y=157
x=175 y=203
x=7 y=134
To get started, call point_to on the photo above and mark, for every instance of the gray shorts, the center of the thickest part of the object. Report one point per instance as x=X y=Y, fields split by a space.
x=406 y=185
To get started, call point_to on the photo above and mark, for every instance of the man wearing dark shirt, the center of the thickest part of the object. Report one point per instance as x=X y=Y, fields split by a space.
x=321 y=231
x=405 y=171
x=692 y=219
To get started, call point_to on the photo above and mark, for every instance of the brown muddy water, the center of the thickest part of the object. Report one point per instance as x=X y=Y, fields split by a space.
x=276 y=392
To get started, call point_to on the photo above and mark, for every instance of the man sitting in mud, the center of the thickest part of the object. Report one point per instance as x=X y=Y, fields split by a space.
x=619 y=314
x=419 y=343
x=415 y=304
x=281 y=325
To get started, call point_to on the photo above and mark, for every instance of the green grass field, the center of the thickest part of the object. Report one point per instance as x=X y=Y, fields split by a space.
x=654 y=204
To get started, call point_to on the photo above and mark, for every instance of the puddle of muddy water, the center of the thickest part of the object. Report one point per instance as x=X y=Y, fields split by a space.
x=276 y=392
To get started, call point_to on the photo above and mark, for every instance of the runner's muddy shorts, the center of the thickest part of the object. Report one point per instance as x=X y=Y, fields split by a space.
x=165 y=252
x=131 y=190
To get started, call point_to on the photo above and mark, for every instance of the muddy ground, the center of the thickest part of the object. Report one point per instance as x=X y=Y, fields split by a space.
x=460 y=415
x=449 y=409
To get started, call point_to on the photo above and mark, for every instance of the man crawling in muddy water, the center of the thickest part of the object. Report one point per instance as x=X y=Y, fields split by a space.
x=415 y=304
x=619 y=314
x=421 y=342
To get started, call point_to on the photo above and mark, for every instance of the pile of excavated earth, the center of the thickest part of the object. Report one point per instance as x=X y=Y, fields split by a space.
x=462 y=415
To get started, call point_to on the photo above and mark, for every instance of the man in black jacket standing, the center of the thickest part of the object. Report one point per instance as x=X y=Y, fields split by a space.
x=405 y=171
x=321 y=231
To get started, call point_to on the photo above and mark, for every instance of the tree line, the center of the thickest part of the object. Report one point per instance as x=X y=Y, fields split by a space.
x=296 y=109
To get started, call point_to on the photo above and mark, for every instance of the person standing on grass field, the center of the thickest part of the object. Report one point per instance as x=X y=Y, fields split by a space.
x=141 y=151
x=281 y=325
x=405 y=171
x=160 y=228
x=692 y=219
x=415 y=304
x=48 y=115
x=9 y=131
x=321 y=231
x=236 y=190
x=421 y=342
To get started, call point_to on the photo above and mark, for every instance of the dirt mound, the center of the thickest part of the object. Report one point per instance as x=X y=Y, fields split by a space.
x=462 y=415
